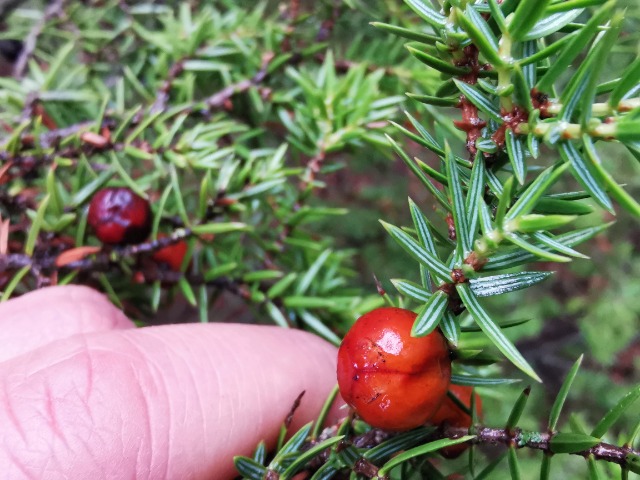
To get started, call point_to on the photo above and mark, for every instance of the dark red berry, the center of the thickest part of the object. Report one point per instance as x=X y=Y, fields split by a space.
x=119 y=217
x=171 y=255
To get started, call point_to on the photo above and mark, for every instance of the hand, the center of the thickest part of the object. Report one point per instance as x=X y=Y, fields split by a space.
x=86 y=395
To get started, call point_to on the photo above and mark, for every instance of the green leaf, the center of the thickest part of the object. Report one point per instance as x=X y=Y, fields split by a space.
x=545 y=52
x=308 y=455
x=593 y=65
x=476 y=357
x=505 y=324
x=427 y=13
x=497 y=16
x=535 y=250
x=437 y=101
x=325 y=472
x=430 y=314
x=187 y=291
x=514 y=257
x=474 y=195
x=92 y=187
x=11 y=286
x=529 y=198
x=470 y=381
x=249 y=468
x=422 y=228
x=476 y=97
x=579 y=93
x=485 y=218
x=628 y=81
x=421 y=450
x=551 y=24
x=276 y=315
x=406 y=33
x=588 y=175
x=572 y=442
x=281 y=285
x=260 y=454
x=425 y=137
x=517 y=155
x=219 y=227
x=301 y=301
x=294 y=443
x=571 y=51
x=433 y=173
x=492 y=331
x=525 y=17
x=418 y=173
x=396 y=444
x=523 y=78
x=450 y=327
x=316 y=325
x=561 y=207
x=322 y=416
x=433 y=264
x=463 y=236
x=534 y=222
x=219 y=271
x=518 y=408
x=622 y=197
x=504 y=202
x=547 y=241
x=573 y=4
x=514 y=465
x=480 y=34
x=615 y=413
x=36 y=226
x=437 y=64
x=632 y=462
x=411 y=290
x=312 y=273
x=545 y=467
x=508 y=282
x=486 y=471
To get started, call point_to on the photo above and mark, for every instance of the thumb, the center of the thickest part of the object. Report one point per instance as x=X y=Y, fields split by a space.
x=175 y=401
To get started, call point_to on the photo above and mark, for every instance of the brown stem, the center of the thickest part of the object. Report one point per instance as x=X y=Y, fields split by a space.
x=539 y=441
x=518 y=438
x=54 y=9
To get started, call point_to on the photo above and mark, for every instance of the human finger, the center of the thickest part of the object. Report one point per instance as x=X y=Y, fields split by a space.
x=175 y=401
x=52 y=313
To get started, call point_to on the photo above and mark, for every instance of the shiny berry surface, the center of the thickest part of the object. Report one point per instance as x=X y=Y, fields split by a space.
x=393 y=381
x=119 y=217
x=450 y=414
x=171 y=255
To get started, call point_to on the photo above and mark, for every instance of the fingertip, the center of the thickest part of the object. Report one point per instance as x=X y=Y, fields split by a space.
x=42 y=316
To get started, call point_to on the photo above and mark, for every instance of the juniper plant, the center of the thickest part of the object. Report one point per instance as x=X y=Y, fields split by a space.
x=232 y=119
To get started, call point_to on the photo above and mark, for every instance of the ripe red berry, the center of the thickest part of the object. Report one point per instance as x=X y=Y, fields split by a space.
x=171 y=255
x=119 y=217
x=393 y=380
x=452 y=415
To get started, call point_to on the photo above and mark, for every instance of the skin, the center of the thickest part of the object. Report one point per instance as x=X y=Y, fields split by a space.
x=84 y=394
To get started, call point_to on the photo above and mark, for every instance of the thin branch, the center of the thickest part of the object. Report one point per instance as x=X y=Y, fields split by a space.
x=484 y=435
x=54 y=9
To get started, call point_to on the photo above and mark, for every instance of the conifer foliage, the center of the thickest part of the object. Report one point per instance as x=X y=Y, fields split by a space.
x=228 y=120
